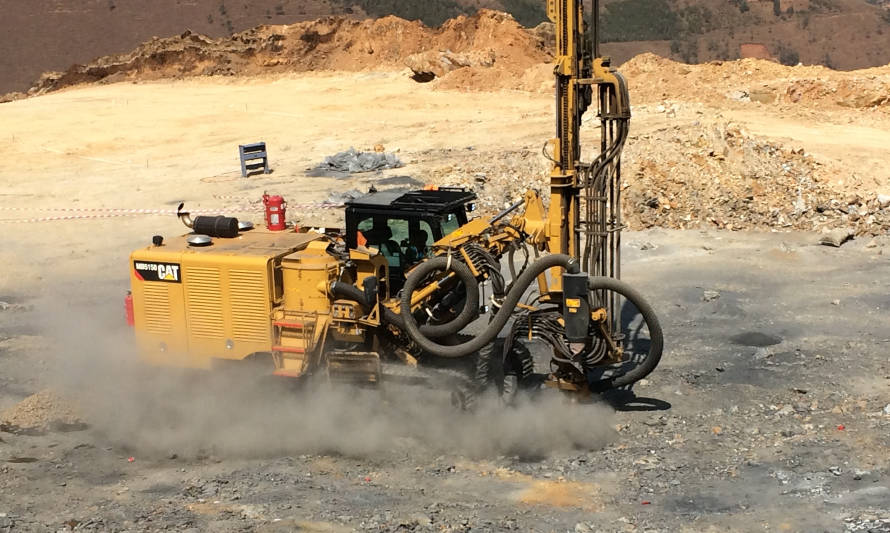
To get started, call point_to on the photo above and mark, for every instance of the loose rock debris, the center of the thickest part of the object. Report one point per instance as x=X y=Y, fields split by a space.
x=836 y=237
x=693 y=176
x=41 y=412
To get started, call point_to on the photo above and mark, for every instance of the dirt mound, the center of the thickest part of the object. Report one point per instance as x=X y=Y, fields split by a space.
x=489 y=40
x=41 y=412
x=720 y=176
x=653 y=78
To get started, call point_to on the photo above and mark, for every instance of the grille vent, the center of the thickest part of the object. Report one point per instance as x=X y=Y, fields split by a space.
x=157 y=308
x=249 y=306
x=204 y=300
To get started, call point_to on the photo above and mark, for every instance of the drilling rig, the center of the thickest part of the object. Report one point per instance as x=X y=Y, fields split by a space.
x=402 y=283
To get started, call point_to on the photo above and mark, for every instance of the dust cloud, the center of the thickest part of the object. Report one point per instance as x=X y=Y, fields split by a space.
x=233 y=413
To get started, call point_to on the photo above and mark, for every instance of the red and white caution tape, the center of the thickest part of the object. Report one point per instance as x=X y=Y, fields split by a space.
x=86 y=213
x=316 y=205
x=258 y=203
x=231 y=197
x=111 y=210
x=65 y=217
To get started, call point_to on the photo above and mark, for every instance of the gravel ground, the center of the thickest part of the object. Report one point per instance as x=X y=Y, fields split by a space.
x=769 y=412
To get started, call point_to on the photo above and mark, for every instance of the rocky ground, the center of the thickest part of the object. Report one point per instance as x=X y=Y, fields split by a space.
x=770 y=412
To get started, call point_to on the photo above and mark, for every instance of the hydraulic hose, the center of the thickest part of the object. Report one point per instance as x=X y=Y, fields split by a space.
x=467 y=314
x=348 y=291
x=497 y=322
x=656 y=336
x=406 y=322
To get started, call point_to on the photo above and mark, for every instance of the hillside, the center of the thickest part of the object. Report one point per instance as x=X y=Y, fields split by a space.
x=490 y=44
x=841 y=34
x=51 y=35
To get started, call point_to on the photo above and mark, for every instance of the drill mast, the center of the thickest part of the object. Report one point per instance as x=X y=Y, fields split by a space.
x=584 y=217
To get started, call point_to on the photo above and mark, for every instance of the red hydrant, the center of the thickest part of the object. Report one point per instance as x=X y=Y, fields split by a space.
x=275 y=211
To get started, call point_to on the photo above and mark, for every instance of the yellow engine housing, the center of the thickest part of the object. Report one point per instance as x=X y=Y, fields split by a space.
x=236 y=297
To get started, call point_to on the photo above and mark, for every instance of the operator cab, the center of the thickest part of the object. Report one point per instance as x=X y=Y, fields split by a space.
x=404 y=225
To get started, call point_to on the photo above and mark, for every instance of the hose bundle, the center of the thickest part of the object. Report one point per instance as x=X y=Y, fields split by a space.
x=545 y=326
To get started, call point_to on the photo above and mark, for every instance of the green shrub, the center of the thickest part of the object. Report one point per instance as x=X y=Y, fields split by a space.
x=529 y=13
x=639 y=20
x=787 y=55
x=823 y=6
x=431 y=12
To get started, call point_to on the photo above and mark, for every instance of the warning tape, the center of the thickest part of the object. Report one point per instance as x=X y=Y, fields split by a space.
x=231 y=197
x=317 y=205
x=111 y=210
x=291 y=207
x=101 y=212
x=65 y=217
x=258 y=203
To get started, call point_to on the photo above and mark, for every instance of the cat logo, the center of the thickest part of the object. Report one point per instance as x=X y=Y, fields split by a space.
x=167 y=272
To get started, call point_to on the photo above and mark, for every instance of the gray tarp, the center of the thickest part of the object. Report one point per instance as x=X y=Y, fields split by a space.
x=353 y=161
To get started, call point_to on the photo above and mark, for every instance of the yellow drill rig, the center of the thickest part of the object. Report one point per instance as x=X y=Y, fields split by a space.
x=404 y=279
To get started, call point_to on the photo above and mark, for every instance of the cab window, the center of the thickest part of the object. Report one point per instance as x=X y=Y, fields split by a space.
x=428 y=230
x=449 y=224
x=418 y=245
x=383 y=234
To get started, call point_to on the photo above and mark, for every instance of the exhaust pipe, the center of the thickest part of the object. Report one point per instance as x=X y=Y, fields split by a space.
x=212 y=226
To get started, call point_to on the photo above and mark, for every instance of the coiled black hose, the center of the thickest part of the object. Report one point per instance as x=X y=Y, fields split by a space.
x=463 y=272
x=499 y=320
x=421 y=335
x=622 y=377
x=433 y=331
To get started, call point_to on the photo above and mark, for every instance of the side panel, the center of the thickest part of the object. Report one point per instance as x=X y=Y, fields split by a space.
x=228 y=306
x=159 y=307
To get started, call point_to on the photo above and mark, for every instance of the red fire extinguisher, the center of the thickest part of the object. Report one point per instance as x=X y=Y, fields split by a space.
x=128 y=308
x=275 y=209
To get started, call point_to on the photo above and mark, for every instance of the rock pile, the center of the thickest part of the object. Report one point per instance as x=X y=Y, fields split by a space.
x=720 y=176
x=687 y=176
x=41 y=412
x=652 y=78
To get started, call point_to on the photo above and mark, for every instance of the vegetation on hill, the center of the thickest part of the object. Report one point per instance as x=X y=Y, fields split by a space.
x=435 y=12
x=528 y=12
x=623 y=20
x=431 y=12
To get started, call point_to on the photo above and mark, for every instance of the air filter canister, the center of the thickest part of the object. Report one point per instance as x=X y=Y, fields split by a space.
x=218 y=226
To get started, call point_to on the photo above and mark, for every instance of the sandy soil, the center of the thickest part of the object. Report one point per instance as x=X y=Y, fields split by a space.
x=734 y=435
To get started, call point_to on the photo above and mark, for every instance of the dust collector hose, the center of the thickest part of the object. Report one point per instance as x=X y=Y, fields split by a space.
x=497 y=322
x=656 y=336
x=467 y=314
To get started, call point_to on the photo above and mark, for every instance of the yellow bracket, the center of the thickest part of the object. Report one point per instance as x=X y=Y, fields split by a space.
x=599 y=315
x=564 y=66
x=552 y=11
x=604 y=73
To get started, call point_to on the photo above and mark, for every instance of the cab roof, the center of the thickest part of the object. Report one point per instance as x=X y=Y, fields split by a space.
x=442 y=200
